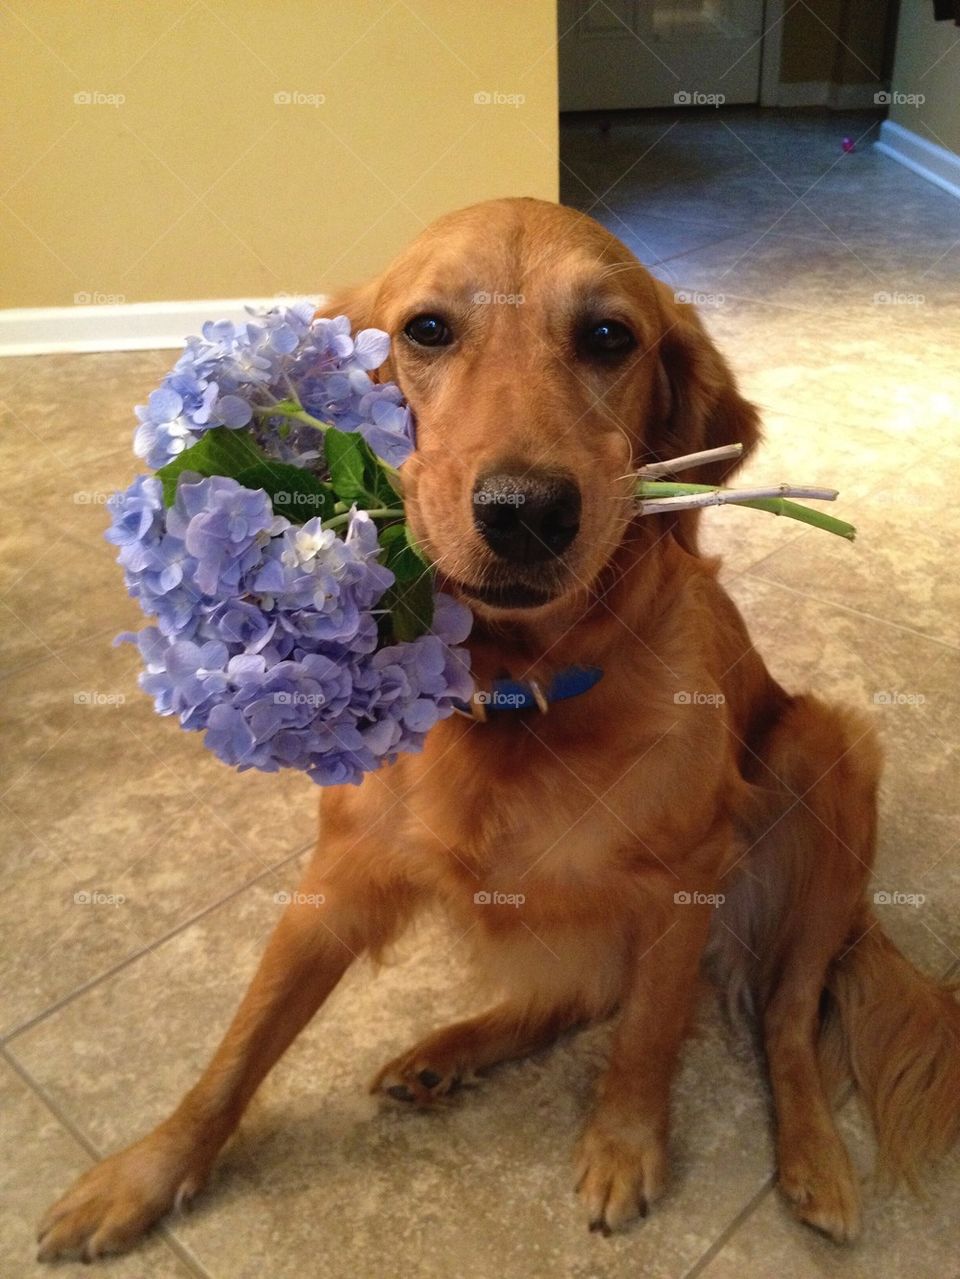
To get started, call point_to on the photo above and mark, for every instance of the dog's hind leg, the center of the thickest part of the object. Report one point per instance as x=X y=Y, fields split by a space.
x=809 y=868
x=331 y=919
x=815 y=1172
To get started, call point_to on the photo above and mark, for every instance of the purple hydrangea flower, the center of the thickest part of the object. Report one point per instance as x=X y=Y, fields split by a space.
x=266 y=634
x=231 y=369
x=225 y=527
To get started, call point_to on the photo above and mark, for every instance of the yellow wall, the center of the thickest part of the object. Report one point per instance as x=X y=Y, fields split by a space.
x=928 y=63
x=200 y=185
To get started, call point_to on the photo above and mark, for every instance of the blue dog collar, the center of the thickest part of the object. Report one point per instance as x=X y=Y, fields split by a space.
x=524 y=695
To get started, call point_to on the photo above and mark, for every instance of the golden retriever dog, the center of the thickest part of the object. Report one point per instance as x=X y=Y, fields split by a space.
x=621 y=814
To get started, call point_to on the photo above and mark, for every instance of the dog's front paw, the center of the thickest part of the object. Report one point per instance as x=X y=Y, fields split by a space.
x=823 y=1191
x=621 y=1172
x=111 y=1205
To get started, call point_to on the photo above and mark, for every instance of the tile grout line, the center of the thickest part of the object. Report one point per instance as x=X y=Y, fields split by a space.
x=845 y=1099
x=857 y=612
x=123 y=452
x=710 y=244
x=164 y=1231
x=83 y=640
x=64 y=1000
x=725 y=1235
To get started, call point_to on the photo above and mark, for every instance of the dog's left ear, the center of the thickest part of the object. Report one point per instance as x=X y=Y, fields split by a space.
x=358 y=303
x=700 y=405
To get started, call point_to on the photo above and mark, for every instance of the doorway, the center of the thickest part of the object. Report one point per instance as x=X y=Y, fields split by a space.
x=622 y=54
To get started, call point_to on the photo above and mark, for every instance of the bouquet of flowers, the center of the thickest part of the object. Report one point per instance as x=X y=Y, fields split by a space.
x=296 y=623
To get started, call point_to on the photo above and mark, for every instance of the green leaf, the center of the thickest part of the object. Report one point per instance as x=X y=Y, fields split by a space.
x=411 y=608
x=410 y=600
x=295 y=493
x=345 y=462
x=220 y=451
x=356 y=473
x=380 y=481
x=402 y=557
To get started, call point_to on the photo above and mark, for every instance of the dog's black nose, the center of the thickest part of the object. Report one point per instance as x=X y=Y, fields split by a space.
x=526 y=516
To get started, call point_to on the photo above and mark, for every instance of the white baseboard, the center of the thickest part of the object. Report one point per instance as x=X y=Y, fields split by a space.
x=129 y=326
x=824 y=93
x=933 y=162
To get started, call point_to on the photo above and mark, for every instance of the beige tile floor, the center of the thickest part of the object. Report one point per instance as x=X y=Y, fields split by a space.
x=109 y=1007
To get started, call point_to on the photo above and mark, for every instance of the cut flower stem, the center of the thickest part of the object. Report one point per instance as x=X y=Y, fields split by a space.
x=375 y=513
x=662 y=496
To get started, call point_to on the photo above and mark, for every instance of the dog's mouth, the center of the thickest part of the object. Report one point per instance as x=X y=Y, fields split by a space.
x=507 y=595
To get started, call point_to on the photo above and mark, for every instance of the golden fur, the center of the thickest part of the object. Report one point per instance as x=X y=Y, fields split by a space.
x=617 y=814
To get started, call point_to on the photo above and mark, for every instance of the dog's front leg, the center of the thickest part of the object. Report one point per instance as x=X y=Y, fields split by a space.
x=622 y=1156
x=327 y=923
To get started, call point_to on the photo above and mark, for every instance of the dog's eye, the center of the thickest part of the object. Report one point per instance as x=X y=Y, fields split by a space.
x=607 y=339
x=428 y=330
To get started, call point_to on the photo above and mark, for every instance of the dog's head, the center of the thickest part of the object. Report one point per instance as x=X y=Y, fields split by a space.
x=543 y=364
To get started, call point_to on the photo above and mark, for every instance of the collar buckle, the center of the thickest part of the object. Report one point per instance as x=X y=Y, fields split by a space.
x=508 y=694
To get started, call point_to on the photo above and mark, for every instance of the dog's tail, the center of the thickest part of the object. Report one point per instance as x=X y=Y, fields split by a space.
x=896 y=1033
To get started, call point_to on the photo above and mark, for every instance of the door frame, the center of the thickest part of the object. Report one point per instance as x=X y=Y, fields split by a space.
x=774 y=12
